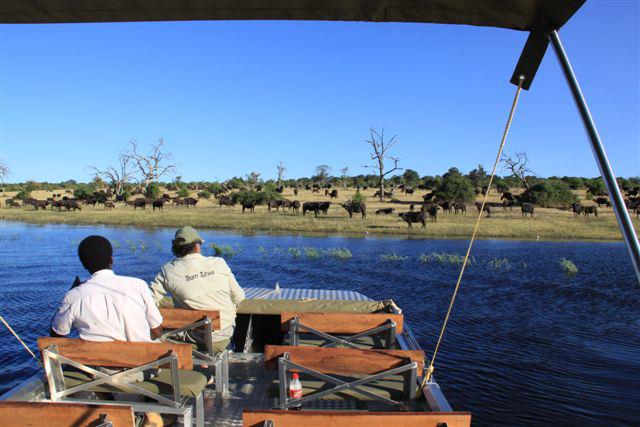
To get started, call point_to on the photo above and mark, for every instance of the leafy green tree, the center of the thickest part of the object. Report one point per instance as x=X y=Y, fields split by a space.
x=455 y=187
x=551 y=193
x=478 y=178
x=596 y=187
x=153 y=191
x=183 y=192
x=358 y=197
x=83 y=191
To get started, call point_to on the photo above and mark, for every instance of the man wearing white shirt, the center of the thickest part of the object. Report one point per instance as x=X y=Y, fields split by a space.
x=107 y=307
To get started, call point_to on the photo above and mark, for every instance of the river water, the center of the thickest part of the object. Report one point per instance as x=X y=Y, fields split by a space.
x=527 y=344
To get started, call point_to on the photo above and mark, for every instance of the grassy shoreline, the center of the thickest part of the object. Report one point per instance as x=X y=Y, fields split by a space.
x=549 y=224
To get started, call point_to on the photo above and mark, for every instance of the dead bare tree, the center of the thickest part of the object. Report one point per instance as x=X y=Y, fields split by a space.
x=344 y=177
x=118 y=176
x=379 y=155
x=281 y=170
x=517 y=165
x=4 y=173
x=153 y=165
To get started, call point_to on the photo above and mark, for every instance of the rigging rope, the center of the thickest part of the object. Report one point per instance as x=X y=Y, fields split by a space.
x=430 y=369
x=20 y=340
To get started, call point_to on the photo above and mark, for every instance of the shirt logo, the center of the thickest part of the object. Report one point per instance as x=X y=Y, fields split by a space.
x=202 y=274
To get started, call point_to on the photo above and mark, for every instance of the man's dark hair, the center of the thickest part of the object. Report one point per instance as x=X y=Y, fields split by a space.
x=95 y=253
x=179 y=249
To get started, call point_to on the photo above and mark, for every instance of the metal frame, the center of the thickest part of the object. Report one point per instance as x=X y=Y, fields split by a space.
x=285 y=364
x=219 y=361
x=620 y=209
x=125 y=381
x=389 y=327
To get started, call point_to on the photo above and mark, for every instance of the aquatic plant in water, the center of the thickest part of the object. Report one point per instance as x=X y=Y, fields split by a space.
x=393 y=257
x=115 y=243
x=568 y=266
x=311 y=252
x=295 y=252
x=444 y=258
x=499 y=263
x=225 y=250
x=339 y=253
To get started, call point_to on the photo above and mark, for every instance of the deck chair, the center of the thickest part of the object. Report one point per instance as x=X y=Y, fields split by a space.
x=170 y=390
x=19 y=414
x=180 y=321
x=278 y=418
x=364 y=329
x=388 y=376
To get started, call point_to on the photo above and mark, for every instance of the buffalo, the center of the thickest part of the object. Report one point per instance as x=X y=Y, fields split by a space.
x=459 y=207
x=296 y=206
x=315 y=207
x=250 y=205
x=333 y=194
x=413 y=217
x=487 y=208
x=430 y=210
x=588 y=210
x=140 y=202
x=527 y=208
x=355 y=207
x=109 y=205
x=190 y=201
x=158 y=203
x=385 y=211
x=602 y=201
x=577 y=209
x=225 y=201
x=274 y=204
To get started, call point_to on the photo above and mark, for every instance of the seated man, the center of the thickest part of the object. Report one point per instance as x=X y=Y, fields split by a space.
x=107 y=307
x=198 y=282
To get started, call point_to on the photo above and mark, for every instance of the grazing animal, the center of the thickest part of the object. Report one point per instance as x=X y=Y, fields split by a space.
x=527 y=208
x=280 y=189
x=286 y=204
x=333 y=194
x=588 y=210
x=412 y=207
x=602 y=201
x=446 y=207
x=487 y=208
x=428 y=197
x=38 y=204
x=408 y=190
x=385 y=211
x=355 y=207
x=90 y=201
x=250 y=205
x=13 y=203
x=315 y=207
x=190 y=201
x=506 y=195
x=386 y=194
x=459 y=207
x=203 y=195
x=307 y=187
x=274 y=204
x=430 y=210
x=109 y=205
x=577 y=209
x=413 y=217
x=140 y=202
x=315 y=190
x=158 y=203
x=120 y=198
x=296 y=206
x=295 y=191
x=508 y=204
x=71 y=205
x=225 y=201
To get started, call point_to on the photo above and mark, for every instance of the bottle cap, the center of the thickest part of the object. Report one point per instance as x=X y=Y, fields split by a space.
x=295 y=376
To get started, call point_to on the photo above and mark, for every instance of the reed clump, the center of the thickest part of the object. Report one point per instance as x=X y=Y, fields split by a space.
x=568 y=266
x=445 y=258
x=393 y=257
x=225 y=251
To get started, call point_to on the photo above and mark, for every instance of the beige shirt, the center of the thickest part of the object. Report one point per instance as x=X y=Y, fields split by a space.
x=198 y=282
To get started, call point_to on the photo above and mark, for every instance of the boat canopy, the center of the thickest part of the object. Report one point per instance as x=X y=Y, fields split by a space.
x=524 y=15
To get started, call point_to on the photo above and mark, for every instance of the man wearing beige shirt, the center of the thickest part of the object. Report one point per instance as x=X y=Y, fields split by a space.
x=199 y=282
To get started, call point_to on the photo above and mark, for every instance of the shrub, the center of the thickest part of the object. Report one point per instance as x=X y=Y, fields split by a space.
x=358 y=197
x=455 y=187
x=247 y=197
x=83 y=191
x=552 y=193
x=153 y=191
x=183 y=192
x=23 y=195
x=596 y=187
x=225 y=251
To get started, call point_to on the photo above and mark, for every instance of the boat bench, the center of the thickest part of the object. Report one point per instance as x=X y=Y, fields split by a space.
x=352 y=330
x=117 y=367
x=279 y=418
x=389 y=376
x=203 y=322
x=19 y=414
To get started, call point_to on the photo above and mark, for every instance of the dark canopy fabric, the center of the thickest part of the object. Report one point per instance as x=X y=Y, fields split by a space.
x=525 y=15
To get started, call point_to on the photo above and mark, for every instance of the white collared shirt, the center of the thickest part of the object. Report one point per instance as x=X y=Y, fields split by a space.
x=108 y=307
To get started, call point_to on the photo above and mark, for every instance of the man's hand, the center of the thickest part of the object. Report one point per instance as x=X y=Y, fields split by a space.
x=54 y=334
x=156 y=332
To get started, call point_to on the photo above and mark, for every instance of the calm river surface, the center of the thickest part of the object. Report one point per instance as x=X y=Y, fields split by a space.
x=527 y=344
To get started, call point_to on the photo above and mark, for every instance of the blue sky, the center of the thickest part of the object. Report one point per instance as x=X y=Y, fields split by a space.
x=234 y=97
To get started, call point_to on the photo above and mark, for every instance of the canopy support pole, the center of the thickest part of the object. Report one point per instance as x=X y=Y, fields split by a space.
x=620 y=209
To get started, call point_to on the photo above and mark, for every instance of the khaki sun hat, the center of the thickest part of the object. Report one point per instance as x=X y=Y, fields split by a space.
x=189 y=234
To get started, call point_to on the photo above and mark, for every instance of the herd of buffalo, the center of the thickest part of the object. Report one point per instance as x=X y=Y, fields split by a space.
x=428 y=208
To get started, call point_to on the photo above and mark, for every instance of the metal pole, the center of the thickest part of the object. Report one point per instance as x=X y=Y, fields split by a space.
x=620 y=209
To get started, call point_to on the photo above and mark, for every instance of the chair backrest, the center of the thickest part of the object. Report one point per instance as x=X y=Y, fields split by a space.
x=343 y=361
x=342 y=323
x=178 y=317
x=122 y=354
x=356 y=419
x=14 y=414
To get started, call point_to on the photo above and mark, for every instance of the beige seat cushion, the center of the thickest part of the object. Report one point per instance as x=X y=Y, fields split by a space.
x=310 y=340
x=191 y=383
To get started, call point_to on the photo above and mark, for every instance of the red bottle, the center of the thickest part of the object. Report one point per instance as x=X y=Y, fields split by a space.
x=295 y=388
